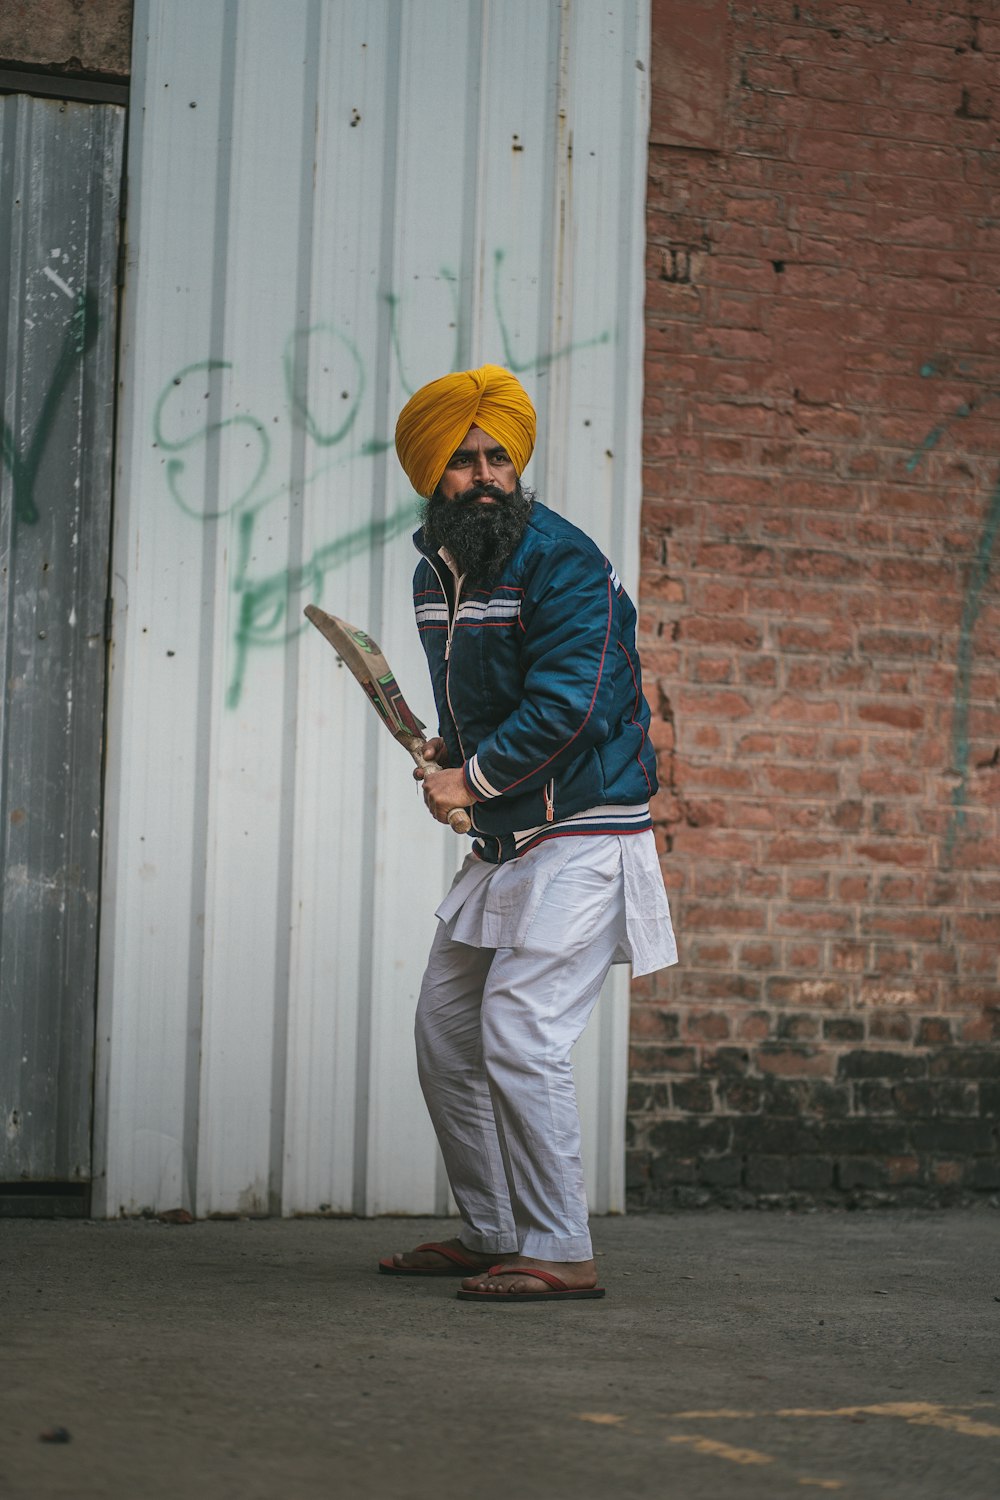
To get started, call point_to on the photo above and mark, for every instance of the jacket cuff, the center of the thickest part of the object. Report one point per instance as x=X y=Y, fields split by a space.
x=476 y=781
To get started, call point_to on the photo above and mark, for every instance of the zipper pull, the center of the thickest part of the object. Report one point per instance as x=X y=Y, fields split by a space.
x=550 y=808
x=447 y=647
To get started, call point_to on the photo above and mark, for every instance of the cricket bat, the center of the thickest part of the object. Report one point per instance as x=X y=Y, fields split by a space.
x=362 y=656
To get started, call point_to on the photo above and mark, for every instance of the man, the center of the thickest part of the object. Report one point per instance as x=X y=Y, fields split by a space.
x=530 y=640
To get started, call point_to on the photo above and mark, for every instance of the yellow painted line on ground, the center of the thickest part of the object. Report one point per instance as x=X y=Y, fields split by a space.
x=823 y=1484
x=602 y=1418
x=721 y=1450
x=918 y=1413
x=721 y=1411
x=956 y=1422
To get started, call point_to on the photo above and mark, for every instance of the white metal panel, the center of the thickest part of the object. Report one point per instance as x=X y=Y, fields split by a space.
x=330 y=205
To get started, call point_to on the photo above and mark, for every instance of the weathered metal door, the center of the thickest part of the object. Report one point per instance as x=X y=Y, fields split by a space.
x=60 y=185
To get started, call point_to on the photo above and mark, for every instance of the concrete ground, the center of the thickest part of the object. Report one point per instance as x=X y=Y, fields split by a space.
x=737 y=1356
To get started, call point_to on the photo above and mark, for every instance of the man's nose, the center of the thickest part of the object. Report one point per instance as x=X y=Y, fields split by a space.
x=481 y=471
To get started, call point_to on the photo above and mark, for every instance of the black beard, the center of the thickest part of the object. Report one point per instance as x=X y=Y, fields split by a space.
x=481 y=538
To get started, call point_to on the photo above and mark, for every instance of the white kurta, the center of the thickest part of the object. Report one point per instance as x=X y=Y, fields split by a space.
x=502 y=906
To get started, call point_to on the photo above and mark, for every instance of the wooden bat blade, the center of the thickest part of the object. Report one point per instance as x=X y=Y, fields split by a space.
x=363 y=656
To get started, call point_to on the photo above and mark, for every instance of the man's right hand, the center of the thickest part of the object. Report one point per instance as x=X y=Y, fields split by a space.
x=434 y=749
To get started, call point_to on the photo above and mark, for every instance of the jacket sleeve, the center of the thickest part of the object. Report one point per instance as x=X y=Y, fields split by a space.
x=567 y=654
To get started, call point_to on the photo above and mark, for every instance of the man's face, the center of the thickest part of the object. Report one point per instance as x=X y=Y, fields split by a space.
x=480 y=470
x=478 y=511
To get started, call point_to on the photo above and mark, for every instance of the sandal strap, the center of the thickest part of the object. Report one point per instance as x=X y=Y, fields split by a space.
x=536 y=1271
x=449 y=1254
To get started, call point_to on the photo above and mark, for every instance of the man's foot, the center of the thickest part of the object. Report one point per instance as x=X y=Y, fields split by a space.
x=442 y=1258
x=575 y=1276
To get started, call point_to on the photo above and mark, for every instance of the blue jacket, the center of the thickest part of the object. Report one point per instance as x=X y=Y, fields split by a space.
x=539 y=691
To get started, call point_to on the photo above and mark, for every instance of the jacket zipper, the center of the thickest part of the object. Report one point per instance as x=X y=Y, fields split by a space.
x=550 y=801
x=452 y=620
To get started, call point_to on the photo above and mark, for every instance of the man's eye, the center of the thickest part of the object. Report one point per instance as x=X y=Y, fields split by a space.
x=499 y=457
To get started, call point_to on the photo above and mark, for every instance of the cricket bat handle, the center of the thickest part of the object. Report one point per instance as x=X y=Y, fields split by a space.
x=458 y=817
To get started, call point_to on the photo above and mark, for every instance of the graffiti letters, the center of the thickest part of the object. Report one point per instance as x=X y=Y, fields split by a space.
x=23 y=465
x=321 y=420
x=972 y=604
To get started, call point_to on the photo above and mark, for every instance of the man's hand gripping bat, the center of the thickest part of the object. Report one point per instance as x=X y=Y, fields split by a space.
x=362 y=656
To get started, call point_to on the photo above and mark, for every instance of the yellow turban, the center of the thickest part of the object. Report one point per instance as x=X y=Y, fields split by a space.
x=434 y=421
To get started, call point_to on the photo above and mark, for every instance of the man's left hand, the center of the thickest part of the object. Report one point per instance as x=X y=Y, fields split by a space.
x=444 y=790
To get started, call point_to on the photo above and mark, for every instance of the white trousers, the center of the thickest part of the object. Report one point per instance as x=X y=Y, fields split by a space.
x=494 y=1032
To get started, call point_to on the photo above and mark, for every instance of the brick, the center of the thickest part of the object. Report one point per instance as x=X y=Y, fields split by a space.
x=914 y=926
x=854 y=888
x=651 y=1023
x=902 y=1170
x=757 y=955
x=711 y=883
x=710 y=951
x=711 y=1025
x=938 y=1098
x=725 y=1061
x=791 y=847
x=849 y=957
x=646 y=1060
x=894 y=993
x=965 y=1062
x=691 y=1138
x=843 y=1029
x=692 y=1095
x=890 y=1026
x=876 y=1138
x=954 y=1137
x=862 y=1172
x=807 y=1098
x=725 y=918
x=722 y=705
x=741 y=634
x=898 y=715
x=795 y=1061
x=645 y=1098
x=897 y=852
x=790 y=709
x=767 y=1174
x=810 y=1174
x=801 y=781
x=806 y=993
x=757 y=1135
x=804 y=956
x=864 y=1064
x=721 y=1172
x=978 y=927
x=798 y=1028
x=829 y=920
x=741 y=1095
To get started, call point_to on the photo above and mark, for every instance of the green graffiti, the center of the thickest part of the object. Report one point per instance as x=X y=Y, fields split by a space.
x=175 y=466
x=264 y=602
x=972 y=604
x=295 y=384
x=393 y=303
x=81 y=331
x=971 y=607
x=263 y=616
x=539 y=361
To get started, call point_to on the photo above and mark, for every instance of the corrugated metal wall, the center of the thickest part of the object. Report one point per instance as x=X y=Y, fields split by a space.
x=60 y=178
x=329 y=205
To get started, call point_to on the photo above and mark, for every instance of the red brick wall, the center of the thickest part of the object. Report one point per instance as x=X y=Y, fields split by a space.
x=820 y=609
